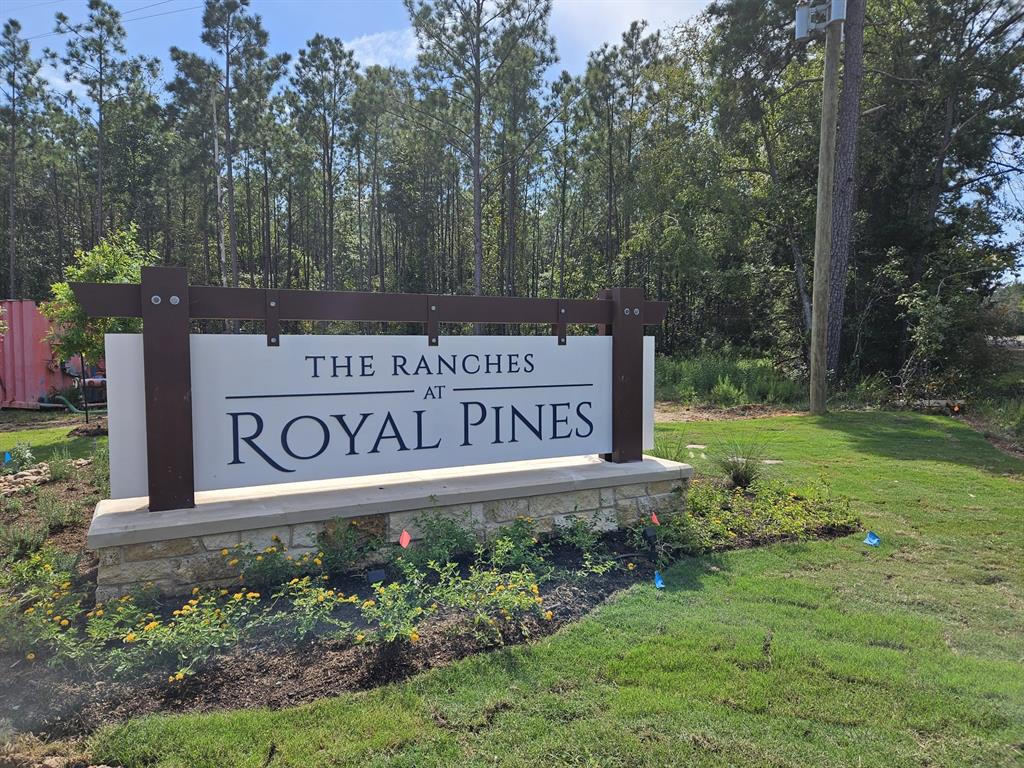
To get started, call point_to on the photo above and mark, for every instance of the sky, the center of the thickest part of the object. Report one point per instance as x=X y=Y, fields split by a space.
x=378 y=30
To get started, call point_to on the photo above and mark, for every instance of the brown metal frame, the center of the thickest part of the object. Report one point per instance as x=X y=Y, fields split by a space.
x=167 y=303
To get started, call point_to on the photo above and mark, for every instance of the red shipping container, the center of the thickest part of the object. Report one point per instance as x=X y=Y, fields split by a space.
x=29 y=371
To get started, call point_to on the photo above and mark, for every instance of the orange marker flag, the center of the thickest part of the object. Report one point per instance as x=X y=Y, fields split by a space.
x=404 y=539
x=654 y=518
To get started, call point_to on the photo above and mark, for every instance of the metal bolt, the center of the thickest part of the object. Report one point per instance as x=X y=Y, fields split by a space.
x=626 y=311
x=273 y=339
x=433 y=308
x=636 y=310
x=563 y=311
x=155 y=299
x=175 y=301
x=433 y=341
x=273 y=303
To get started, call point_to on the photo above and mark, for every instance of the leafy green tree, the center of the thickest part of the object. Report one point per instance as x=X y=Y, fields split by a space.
x=117 y=258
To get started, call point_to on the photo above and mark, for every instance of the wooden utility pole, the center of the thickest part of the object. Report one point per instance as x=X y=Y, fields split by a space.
x=823 y=216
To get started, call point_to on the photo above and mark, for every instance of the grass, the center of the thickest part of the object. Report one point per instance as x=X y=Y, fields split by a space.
x=47 y=441
x=822 y=653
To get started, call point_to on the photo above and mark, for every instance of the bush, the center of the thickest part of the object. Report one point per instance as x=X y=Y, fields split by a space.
x=740 y=461
x=491 y=599
x=579 y=534
x=442 y=538
x=719 y=518
x=21 y=459
x=309 y=611
x=60 y=465
x=724 y=379
x=725 y=393
x=20 y=539
x=515 y=547
x=264 y=569
x=56 y=511
x=396 y=609
x=100 y=469
x=344 y=546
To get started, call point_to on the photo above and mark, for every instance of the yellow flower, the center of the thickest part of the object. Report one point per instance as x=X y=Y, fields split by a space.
x=237 y=596
x=259 y=558
x=99 y=612
x=179 y=676
x=151 y=626
x=631 y=566
x=360 y=637
x=65 y=585
x=131 y=637
x=414 y=636
x=533 y=588
x=223 y=592
x=317 y=561
x=170 y=678
x=224 y=552
x=293 y=581
x=233 y=562
x=64 y=622
x=30 y=610
x=30 y=656
x=253 y=595
x=549 y=615
x=195 y=590
x=369 y=603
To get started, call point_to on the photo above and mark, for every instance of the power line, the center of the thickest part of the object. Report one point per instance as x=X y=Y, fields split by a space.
x=134 y=18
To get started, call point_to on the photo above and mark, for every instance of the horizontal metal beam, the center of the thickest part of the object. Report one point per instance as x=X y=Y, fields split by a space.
x=125 y=300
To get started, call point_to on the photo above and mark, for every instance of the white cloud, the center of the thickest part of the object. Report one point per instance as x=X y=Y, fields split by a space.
x=581 y=26
x=394 y=47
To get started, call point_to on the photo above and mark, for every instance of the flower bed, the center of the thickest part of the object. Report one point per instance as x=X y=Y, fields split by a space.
x=296 y=628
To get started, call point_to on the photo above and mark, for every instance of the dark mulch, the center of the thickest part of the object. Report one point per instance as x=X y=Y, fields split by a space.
x=97 y=427
x=56 y=704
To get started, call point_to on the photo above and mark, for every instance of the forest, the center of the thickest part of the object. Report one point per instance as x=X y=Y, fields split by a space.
x=682 y=161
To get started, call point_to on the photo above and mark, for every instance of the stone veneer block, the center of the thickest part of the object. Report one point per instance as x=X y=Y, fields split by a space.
x=176 y=549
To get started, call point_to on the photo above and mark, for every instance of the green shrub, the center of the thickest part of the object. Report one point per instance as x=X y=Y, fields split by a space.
x=100 y=469
x=516 y=546
x=21 y=459
x=725 y=393
x=20 y=539
x=719 y=518
x=396 y=609
x=491 y=598
x=443 y=537
x=741 y=461
x=272 y=566
x=344 y=546
x=308 y=611
x=724 y=378
x=56 y=511
x=60 y=465
x=579 y=534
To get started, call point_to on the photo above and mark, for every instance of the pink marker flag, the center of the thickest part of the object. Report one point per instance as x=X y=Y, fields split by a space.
x=404 y=539
x=654 y=518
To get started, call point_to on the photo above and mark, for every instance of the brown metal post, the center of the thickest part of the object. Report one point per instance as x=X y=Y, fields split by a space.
x=168 y=375
x=627 y=375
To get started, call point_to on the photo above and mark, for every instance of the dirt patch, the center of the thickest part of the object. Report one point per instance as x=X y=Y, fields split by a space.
x=1002 y=442
x=666 y=411
x=97 y=427
x=56 y=704
x=14 y=421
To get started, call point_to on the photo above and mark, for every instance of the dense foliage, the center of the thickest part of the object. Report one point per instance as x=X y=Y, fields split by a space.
x=682 y=162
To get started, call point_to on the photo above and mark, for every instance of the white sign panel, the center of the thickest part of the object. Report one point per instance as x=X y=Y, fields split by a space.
x=321 y=407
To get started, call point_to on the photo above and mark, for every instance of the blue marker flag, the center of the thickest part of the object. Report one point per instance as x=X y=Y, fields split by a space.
x=659 y=582
x=7 y=457
x=872 y=539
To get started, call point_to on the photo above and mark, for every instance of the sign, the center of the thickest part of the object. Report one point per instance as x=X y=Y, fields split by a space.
x=319 y=407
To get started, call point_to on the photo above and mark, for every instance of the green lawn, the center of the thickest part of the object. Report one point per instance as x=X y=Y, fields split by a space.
x=816 y=654
x=44 y=441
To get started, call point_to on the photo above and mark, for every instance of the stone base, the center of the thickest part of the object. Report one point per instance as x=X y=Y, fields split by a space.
x=179 y=549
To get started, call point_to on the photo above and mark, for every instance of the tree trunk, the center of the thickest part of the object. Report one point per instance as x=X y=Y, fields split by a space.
x=845 y=201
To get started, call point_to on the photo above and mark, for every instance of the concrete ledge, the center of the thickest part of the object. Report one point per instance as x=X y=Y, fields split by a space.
x=119 y=522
